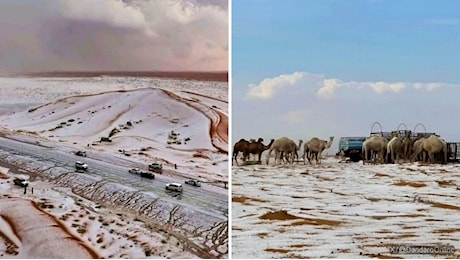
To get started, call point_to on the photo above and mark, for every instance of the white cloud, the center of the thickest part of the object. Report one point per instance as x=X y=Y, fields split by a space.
x=328 y=88
x=268 y=88
x=382 y=87
x=297 y=116
x=44 y=35
x=331 y=85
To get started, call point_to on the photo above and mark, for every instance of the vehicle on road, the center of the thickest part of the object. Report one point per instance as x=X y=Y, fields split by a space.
x=174 y=186
x=142 y=173
x=135 y=171
x=81 y=166
x=193 y=182
x=80 y=153
x=156 y=167
x=147 y=175
x=21 y=182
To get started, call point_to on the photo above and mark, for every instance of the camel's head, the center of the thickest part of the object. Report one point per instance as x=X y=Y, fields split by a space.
x=260 y=140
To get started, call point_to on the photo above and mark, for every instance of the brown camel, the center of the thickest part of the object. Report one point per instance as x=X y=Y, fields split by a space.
x=258 y=148
x=240 y=146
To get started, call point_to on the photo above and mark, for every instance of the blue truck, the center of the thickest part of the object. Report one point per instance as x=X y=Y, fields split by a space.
x=352 y=147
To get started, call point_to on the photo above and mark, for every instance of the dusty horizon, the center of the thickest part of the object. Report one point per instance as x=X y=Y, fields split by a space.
x=220 y=76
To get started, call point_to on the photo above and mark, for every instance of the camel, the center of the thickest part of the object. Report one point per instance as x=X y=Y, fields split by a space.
x=417 y=146
x=240 y=146
x=374 y=144
x=407 y=145
x=281 y=146
x=315 y=146
x=432 y=145
x=292 y=155
x=258 y=148
x=394 y=149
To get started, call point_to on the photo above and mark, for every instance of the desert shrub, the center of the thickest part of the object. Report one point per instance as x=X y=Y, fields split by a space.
x=71 y=120
x=129 y=123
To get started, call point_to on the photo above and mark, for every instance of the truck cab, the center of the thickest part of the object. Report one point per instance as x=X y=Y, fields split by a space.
x=352 y=147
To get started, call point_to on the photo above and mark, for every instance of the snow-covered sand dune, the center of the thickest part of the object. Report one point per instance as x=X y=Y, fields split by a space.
x=176 y=122
x=343 y=210
x=148 y=124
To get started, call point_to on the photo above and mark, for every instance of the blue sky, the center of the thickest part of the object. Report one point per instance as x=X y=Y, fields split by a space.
x=346 y=64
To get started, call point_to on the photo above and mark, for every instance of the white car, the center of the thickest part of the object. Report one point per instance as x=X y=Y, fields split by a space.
x=135 y=170
x=81 y=165
x=174 y=186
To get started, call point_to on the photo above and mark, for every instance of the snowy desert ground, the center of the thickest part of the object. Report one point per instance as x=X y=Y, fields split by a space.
x=343 y=210
x=175 y=122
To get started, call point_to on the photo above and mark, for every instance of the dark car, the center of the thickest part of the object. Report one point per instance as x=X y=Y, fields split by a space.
x=81 y=153
x=21 y=182
x=193 y=182
x=147 y=175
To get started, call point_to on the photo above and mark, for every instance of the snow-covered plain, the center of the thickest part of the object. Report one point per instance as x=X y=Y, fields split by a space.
x=74 y=113
x=343 y=210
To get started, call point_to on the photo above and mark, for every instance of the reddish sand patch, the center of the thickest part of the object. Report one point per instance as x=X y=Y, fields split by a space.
x=450 y=230
x=246 y=200
x=444 y=206
x=397 y=216
x=218 y=129
x=283 y=215
x=277 y=250
x=22 y=216
x=411 y=184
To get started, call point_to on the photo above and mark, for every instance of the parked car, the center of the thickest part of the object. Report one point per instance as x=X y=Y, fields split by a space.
x=81 y=153
x=193 y=182
x=21 y=182
x=174 y=186
x=156 y=167
x=81 y=166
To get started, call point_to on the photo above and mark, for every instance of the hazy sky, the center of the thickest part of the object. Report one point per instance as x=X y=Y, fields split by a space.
x=41 y=35
x=332 y=68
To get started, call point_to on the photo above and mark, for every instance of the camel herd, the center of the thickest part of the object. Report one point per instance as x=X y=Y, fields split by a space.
x=379 y=149
x=286 y=150
x=375 y=149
